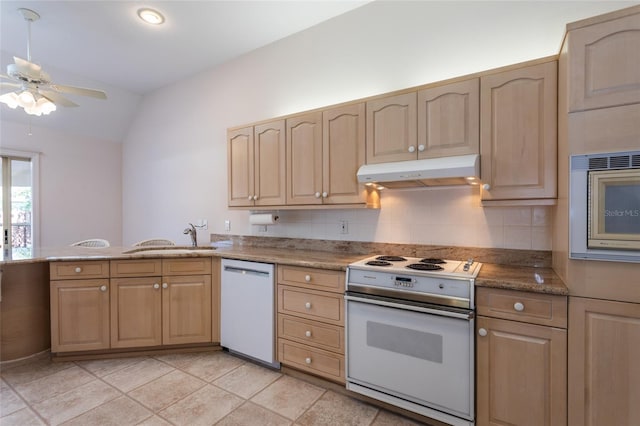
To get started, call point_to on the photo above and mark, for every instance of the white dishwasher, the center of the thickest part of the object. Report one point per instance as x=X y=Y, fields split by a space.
x=247 y=312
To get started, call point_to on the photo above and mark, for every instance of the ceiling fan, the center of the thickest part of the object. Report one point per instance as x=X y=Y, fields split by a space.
x=32 y=88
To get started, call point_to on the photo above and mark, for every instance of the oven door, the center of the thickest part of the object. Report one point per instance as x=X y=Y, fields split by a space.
x=398 y=352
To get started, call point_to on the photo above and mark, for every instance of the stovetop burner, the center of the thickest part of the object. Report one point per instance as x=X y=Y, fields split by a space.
x=378 y=263
x=425 y=267
x=432 y=260
x=391 y=258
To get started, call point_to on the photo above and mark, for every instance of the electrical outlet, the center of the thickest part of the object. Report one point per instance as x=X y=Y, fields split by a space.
x=227 y=225
x=344 y=226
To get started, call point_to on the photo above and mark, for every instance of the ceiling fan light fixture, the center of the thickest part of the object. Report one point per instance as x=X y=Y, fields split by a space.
x=151 y=16
x=28 y=101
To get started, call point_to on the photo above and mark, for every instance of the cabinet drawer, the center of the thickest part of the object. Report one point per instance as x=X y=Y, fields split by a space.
x=535 y=308
x=79 y=270
x=191 y=266
x=136 y=268
x=322 y=306
x=312 y=278
x=312 y=333
x=315 y=361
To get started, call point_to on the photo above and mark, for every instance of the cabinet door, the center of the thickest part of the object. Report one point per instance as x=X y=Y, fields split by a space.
x=604 y=368
x=186 y=309
x=518 y=140
x=521 y=374
x=449 y=120
x=270 y=164
x=79 y=315
x=240 y=160
x=136 y=305
x=304 y=159
x=604 y=64
x=391 y=129
x=343 y=148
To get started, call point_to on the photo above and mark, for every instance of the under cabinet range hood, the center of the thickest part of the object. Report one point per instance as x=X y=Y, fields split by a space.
x=456 y=170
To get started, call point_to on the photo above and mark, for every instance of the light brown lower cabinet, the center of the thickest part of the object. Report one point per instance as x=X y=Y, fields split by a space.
x=604 y=362
x=176 y=304
x=521 y=366
x=311 y=321
x=161 y=310
x=79 y=315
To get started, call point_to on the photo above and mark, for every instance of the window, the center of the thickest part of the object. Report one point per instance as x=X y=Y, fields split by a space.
x=18 y=172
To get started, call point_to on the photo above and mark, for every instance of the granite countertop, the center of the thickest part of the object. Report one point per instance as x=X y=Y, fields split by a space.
x=521 y=278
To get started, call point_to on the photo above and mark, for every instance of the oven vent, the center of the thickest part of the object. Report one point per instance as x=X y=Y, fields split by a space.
x=614 y=162
x=598 y=163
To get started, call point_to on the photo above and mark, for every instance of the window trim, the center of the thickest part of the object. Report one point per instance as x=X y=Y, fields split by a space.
x=34 y=157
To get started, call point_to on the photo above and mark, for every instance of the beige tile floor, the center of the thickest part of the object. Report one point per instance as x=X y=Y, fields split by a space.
x=209 y=388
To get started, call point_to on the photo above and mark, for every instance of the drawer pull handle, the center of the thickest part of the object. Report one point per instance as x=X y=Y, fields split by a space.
x=165 y=285
x=103 y=288
x=78 y=269
x=307 y=278
x=518 y=306
x=156 y=286
x=307 y=360
x=307 y=333
x=307 y=305
x=482 y=332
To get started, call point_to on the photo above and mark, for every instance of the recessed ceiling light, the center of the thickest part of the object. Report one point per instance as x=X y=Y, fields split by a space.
x=151 y=16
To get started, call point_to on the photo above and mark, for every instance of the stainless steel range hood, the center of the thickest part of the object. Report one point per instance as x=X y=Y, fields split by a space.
x=457 y=170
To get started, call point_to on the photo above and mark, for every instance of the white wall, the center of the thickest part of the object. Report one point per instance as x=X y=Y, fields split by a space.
x=175 y=170
x=80 y=183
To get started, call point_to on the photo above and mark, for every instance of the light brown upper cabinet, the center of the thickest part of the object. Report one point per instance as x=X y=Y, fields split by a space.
x=324 y=151
x=304 y=159
x=391 y=128
x=449 y=120
x=604 y=65
x=256 y=161
x=518 y=139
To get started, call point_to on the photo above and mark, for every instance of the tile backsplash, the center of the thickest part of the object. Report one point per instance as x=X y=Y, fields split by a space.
x=437 y=216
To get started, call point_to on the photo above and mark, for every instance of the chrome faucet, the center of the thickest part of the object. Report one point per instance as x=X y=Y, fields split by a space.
x=193 y=233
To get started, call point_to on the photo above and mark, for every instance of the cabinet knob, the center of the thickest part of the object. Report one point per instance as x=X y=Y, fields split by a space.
x=412 y=148
x=165 y=285
x=78 y=269
x=482 y=332
x=324 y=195
x=486 y=187
x=307 y=360
x=156 y=286
x=307 y=278
x=317 y=194
x=307 y=305
x=420 y=148
x=250 y=197
x=307 y=333
x=103 y=288
x=255 y=197
x=518 y=306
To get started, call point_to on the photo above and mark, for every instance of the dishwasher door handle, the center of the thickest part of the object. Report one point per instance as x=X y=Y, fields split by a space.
x=246 y=271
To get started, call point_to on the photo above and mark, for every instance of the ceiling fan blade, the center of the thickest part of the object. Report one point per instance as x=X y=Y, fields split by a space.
x=4 y=85
x=27 y=67
x=57 y=98
x=79 y=91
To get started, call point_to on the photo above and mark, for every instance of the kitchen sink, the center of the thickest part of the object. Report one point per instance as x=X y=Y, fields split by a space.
x=155 y=251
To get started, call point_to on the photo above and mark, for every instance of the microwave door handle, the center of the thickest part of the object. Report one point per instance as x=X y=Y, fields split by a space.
x=439 y=312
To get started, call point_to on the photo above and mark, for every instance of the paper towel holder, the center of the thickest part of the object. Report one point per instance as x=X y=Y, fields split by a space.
x=263 y=219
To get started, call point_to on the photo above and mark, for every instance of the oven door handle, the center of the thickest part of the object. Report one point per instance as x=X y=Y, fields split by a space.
x=408 y=307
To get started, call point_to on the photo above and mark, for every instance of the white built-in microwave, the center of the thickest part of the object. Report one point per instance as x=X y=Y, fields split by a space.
x=604 y=206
